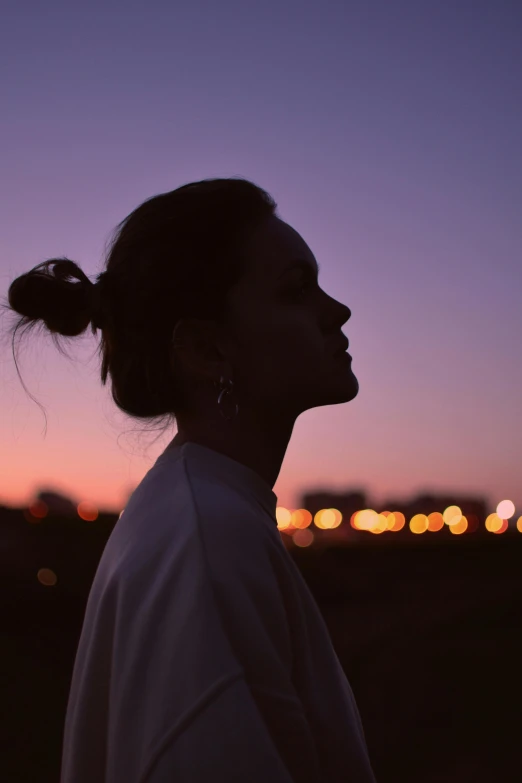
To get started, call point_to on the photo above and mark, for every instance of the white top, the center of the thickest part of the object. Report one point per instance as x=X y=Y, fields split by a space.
x=203 y=656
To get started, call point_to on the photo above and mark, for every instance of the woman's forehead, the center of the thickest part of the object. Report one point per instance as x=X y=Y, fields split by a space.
x=273 y=247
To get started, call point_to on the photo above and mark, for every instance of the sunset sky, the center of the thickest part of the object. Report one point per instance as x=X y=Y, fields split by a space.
x=389 y=133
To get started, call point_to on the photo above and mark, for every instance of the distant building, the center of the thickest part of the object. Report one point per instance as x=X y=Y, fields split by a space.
x=58 y=504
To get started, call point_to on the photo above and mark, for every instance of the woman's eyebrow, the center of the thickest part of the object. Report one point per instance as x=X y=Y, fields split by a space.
x=302 y=264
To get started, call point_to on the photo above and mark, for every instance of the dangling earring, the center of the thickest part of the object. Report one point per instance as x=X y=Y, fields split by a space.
x=226 y=388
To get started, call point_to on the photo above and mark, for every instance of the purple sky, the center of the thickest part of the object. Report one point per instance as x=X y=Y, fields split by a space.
x=390 y=136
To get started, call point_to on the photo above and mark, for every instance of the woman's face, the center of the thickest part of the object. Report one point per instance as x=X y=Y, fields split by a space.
x=285 y=330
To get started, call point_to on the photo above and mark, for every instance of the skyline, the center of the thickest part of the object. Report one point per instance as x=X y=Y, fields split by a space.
x=314 y=501
x=389 y=138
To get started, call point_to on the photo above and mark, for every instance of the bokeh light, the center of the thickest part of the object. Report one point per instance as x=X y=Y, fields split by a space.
x=87 y=511
x=366 y=519
x=494 y=523
x=379 y=525
x=301 y=518
x=39 y=509
x=283 y=517
x=419 y=523
x=435 y=521
x=502 y=528
x=399 y=520
x=390 y=519
x=328 y=518
x=47 y=577
x=303 y=537
x=505 y=509
x=459 y=527
x=452 y=515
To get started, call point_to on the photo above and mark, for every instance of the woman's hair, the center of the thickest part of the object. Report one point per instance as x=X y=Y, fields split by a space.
x=177 y=255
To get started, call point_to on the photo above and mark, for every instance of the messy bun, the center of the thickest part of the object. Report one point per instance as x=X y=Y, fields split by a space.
x=176 y=255
x=48 y=293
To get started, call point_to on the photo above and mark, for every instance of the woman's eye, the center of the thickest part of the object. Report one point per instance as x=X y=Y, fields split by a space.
x=303 y=287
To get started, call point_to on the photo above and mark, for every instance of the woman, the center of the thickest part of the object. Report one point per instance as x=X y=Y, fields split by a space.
x=203 y=655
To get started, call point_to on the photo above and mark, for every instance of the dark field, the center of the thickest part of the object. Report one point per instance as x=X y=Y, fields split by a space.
x=429 y=635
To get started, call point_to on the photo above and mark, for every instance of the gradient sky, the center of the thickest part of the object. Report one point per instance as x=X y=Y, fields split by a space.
x=390 y=135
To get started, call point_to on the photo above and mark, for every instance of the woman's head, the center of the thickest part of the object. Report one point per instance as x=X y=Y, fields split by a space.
x=197 y=286
x=282 y=330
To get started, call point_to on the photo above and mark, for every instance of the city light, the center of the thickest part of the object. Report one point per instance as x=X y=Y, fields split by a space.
x=301 y=518
x=390 y=519
x=303 y=538
x=381 y=525
x=39 y=509
x=419 y=523
x=494 y=523
x=283 y=517
x=47 y=577
x=452 y=515
x=328 y=518
x=459 y=527
x=399 y=521
x=87 y=511
x=365 y=519
x=369 y=520
x=295 y=522
x=435 y=522
x=505 y=509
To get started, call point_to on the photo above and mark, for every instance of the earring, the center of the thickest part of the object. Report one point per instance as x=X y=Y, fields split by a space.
x=227 y=388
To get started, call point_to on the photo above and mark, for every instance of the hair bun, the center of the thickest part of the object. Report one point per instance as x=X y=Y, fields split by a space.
x=47 y=293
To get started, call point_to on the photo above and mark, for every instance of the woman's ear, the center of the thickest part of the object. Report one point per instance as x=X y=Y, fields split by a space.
x=195 y=346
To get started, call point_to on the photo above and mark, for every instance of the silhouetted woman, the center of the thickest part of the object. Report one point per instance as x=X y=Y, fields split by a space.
x=203 y=656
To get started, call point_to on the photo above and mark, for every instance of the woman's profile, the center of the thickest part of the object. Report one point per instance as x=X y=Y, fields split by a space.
x=203 y=655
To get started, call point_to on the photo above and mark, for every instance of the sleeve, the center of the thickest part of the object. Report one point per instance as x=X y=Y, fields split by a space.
x=228 y=742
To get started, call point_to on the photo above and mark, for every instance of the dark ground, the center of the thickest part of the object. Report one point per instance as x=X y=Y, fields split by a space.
x=430 y=637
